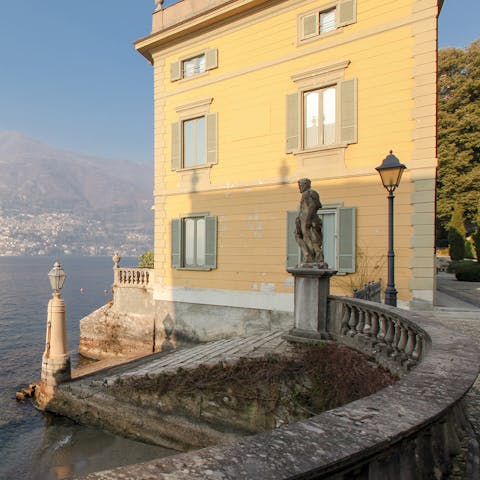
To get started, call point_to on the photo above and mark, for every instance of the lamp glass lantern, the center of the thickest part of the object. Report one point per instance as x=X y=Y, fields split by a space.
x=57 y=277
x=391 y=171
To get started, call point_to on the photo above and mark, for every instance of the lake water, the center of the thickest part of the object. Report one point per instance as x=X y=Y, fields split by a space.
x=34 y=445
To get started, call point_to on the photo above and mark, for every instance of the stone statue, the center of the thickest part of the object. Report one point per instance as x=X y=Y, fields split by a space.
x=158 y=4
x=308 y=226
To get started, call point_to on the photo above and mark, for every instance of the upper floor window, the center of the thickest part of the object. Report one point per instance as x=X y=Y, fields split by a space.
x=194 y=142
x=319 y=112
x=323 y=20
x=323 y=111
x=193 y=65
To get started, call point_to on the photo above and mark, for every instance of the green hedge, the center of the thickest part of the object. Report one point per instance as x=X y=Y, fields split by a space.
x=467 y=271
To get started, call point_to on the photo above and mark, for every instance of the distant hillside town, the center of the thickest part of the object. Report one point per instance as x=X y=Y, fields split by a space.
x=59 y=202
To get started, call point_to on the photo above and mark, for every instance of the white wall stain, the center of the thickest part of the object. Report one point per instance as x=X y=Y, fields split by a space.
x=267 y=287
x=255 y=225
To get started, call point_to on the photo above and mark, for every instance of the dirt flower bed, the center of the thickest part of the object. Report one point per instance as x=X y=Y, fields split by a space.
x=257 y=394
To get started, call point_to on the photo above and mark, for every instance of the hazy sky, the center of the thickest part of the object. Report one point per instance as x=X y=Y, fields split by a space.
x=70 y=77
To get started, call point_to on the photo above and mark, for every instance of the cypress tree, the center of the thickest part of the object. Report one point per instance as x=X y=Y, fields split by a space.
x=476 y=235
x=456 y=234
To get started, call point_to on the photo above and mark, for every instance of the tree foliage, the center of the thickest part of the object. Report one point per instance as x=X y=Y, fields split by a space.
x=458 y=131
x=456 y=234
x=146 y=260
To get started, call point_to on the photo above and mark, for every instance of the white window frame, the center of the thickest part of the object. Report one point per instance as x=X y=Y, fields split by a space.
x=199 y=65
x=195 y=140
x=320 y=130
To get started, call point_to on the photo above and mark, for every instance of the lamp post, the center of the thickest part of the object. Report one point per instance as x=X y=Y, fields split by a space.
x=56 y=359
x=391 y=173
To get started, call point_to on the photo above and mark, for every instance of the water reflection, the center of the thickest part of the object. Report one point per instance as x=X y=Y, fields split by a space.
x=67 y=450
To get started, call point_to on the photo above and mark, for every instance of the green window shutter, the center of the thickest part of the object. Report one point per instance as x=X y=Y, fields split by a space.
x=293 y=124
x=211 y=58
x=212 y=137
x=309 y=25
x=348 y=111
x=175 y=71
x=176 y=146
x=293 y=250
x=211 y=242
x=176 y=242
x=346 y=240
x=347 y=12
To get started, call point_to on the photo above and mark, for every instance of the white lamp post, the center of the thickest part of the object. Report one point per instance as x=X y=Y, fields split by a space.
x=56 y=359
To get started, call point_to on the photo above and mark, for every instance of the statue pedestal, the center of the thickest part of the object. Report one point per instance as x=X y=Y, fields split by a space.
x=312 y=288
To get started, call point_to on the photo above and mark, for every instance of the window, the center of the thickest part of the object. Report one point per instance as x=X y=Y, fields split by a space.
x=322 y=117
x=318 y=22
x=194 y=242
x=323 y=112
x=193 y=65
x=338 y=239
x=319 y=117
x=194 y=142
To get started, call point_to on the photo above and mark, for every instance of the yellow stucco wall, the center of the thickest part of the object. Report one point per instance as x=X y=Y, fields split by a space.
x=392 y=53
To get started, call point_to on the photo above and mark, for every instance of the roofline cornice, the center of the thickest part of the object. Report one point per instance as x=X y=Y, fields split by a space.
x=176 y=29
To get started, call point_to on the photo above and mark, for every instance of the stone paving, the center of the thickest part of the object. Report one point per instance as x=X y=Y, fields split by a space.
x=457 y=307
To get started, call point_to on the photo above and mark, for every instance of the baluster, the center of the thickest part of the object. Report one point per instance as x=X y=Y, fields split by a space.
x=390 y=334
x=367 y=329
x=361 y=321
x=345 y=318
x=383 y=328
x=396 y=337
x=375 y=324
x=402 y=343
x=147 y=278
x=417 y=351
x=352 y=322
x=410 y=343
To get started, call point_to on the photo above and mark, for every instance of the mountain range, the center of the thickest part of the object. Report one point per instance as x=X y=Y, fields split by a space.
x=38 y=179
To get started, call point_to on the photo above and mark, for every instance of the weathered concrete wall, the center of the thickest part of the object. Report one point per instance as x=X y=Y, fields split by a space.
x=135 y=323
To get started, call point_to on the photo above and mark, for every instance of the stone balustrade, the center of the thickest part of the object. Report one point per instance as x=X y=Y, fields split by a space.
x=409 y=430
x=132 y=276
x=396 y=342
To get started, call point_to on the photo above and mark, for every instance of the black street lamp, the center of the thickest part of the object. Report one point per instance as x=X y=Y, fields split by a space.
x=391 y=172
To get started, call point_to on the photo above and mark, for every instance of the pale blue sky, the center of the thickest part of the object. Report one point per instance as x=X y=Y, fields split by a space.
x=70 y=77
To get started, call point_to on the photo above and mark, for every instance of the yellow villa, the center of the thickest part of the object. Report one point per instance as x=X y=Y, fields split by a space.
x=252 y=95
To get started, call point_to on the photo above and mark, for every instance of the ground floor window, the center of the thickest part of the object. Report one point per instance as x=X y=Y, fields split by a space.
x=194 y=242
x=338 y=226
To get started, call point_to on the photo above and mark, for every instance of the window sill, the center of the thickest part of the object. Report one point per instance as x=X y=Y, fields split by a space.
x=306 y=41
x=195 y=167
x=323 y=148
x=193 y=77
x=197 y=269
